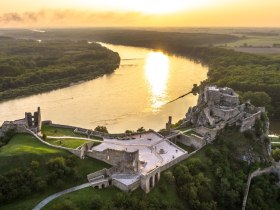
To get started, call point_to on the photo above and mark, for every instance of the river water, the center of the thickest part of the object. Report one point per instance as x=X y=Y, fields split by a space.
x=134 y=95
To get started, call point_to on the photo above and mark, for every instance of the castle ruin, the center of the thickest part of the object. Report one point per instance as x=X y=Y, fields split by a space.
x=218 y=107
x=31 y=122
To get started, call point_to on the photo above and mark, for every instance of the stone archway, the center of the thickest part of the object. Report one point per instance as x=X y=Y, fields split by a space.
x=157 y=178
x=151 y=182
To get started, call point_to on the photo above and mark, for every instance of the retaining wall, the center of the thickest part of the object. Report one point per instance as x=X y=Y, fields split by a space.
x=126 y=188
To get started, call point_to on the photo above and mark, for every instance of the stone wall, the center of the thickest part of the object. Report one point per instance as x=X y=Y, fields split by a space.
x=126 y=188
x=191 y=141
x=230 y=100
x=73 y=151
x=224 y=114
x=221 y=96
x=249 y=122
x=203 y=131
x=125 y=161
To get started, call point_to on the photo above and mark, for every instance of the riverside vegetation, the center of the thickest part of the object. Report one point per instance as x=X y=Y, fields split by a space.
x=28 y=67
x=256 y=77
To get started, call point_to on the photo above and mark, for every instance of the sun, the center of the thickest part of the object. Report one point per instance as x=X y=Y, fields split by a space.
x=157 y=6
x=166 y=6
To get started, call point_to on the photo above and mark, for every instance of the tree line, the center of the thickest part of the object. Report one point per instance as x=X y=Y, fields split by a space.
x=22 y=182
x=28 y=67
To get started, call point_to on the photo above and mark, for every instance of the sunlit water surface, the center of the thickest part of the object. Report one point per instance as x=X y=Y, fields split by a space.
x=133 y=96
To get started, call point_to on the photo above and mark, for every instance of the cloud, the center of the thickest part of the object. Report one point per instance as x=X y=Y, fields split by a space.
x=72 y=18
x=86 y=18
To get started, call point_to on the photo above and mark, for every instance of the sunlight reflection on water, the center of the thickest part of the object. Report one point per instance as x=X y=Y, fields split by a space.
x=157 y=72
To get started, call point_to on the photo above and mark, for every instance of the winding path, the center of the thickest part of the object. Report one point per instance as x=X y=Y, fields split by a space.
x=56 y=195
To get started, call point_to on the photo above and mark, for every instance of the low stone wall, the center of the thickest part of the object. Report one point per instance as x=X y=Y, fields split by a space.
x=73 y=151
x=258 y=172
x=97 y=174
x=63 y=126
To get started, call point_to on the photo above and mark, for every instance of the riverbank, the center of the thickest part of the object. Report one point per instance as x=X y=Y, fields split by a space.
x=29 y=67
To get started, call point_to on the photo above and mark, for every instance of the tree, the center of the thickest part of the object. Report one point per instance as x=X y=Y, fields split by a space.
x=257 y=98
x=129 y=131
x=168 y=175
x=44 y=137
x=276 y=154
x=141 y=129
x=35 y=164
x=102 y=129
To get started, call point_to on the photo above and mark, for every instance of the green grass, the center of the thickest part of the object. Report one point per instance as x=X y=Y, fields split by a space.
x=256 y=41
x=53 y=131
x=84 y=197
x=69 y=143
x=26 y=144
x=275 y=139
x=24 y=148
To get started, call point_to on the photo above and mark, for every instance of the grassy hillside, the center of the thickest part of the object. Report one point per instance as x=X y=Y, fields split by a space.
x=20 y=154
x=214 y=178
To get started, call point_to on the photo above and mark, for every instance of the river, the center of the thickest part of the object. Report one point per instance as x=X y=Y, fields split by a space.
x=134 y=95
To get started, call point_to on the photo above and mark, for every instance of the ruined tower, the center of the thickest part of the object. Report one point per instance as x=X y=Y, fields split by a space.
x=169 y=123
x=34 y=122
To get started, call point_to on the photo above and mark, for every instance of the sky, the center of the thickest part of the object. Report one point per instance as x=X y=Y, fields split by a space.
x=139 y=13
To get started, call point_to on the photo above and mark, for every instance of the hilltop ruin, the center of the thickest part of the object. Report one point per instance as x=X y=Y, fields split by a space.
x=218 y=107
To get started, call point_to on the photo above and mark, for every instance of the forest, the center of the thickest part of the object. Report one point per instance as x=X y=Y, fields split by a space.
x=250 y=74
x=29 y=67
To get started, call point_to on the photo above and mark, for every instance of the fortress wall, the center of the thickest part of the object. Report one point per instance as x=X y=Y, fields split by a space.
x=97 y=174
x=190 y=141
x=249 y=122
x=225 y=114
x=212 y=95
x=231 y=100
x=125 y=161
x=174 y=162
x=126 y=188
x=63 y=126
x=99 y=156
